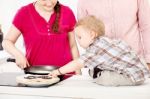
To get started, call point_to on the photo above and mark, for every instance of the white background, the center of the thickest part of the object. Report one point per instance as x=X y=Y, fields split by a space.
x=8 y=9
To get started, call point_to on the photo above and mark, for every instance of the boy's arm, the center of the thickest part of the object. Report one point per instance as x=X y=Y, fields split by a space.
x=70 y=67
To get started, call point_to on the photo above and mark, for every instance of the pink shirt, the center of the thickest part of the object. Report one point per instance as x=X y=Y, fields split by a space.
x=43 y=47
x=128 y=20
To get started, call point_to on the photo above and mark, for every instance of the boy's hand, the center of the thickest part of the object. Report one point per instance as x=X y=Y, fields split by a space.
x=54 y=73
x=78 y=72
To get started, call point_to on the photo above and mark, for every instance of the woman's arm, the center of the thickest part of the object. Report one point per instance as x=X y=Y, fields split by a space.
x=9 y=45
x=74 y=49
x=144 y=26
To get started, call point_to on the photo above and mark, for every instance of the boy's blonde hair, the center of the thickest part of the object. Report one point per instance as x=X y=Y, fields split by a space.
x=92 y=23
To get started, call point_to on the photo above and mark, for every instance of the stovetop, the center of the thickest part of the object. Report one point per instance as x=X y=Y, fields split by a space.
x=9 y=79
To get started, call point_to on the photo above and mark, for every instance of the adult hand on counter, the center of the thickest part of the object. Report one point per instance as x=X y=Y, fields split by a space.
x=21 y=61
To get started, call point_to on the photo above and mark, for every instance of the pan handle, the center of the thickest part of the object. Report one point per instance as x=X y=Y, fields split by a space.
x=11 y=60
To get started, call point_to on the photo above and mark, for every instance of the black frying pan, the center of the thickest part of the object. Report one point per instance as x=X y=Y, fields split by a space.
x=38 y=69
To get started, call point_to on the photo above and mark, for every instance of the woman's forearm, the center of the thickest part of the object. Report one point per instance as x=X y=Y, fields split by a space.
x=144 y=26
x=74 y=49
x=75 y=54
x=10 y=48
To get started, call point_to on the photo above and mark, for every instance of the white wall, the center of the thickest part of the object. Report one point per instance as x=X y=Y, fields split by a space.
x=8 y=9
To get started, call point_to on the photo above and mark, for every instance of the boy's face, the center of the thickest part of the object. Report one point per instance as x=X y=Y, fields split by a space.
x=83 y=36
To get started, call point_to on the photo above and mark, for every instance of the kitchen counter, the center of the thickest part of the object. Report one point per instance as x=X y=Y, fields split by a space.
x=77 y=87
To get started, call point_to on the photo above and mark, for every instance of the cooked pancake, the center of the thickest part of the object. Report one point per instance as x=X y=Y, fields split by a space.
x=36 y=80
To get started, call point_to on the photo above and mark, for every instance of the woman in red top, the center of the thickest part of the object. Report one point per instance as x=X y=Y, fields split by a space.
x=46 y=27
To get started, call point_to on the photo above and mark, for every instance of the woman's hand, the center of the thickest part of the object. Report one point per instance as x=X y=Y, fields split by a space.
x=21 y=61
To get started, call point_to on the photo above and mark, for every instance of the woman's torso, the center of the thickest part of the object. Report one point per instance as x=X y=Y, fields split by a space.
x=43 y=47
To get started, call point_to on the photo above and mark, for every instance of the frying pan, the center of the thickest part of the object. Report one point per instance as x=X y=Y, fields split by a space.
x=41 y=69
x=37 y=69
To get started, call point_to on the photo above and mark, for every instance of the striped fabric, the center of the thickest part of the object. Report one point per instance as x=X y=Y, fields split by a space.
x=117 y=56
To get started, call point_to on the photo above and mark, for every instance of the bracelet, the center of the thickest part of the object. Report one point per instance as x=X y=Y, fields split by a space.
x=59 y=72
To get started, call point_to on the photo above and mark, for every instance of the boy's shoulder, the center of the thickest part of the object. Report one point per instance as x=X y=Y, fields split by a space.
x=102 y=40
x=108 y=40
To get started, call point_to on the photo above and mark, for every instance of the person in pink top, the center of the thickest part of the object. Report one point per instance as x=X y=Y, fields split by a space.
x=46 y=27
x=128 y=20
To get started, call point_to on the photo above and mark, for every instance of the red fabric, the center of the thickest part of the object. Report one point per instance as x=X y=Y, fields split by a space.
x=43 y=47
